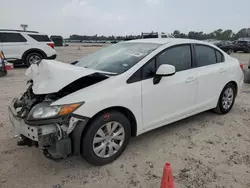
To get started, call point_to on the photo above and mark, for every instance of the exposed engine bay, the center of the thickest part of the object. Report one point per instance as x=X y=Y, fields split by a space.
x=29 y=99
x=55 y=136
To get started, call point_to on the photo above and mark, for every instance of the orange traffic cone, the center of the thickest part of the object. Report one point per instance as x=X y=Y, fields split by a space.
x=167 y=180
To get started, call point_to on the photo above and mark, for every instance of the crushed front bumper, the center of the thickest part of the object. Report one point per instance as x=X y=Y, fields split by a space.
x=33 y=132
x=56 y=140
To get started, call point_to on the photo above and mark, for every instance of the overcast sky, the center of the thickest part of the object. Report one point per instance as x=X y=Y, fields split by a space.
x=121 y=17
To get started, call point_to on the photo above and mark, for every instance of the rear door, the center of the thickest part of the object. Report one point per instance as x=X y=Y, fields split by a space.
x=13 y=45
x=212 y=76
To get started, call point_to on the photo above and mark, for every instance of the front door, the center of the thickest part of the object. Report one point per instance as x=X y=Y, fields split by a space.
x=174 y=96
x=12 y=45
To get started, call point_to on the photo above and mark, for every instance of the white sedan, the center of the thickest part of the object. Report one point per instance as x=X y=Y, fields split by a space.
x=95 y=105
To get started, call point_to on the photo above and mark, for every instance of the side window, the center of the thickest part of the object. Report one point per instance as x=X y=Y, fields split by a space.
x=219 y=57
x=135 y=77
x=205 y=55
x=179 y=56
x=12 y=37
x=40 y=38
x=148 y=70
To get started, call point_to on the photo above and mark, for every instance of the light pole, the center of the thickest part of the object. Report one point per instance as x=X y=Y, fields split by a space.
x=24 y=26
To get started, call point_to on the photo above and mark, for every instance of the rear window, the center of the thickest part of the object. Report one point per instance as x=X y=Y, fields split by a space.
x=40 y=38
x=11 y=37
x=242 y=42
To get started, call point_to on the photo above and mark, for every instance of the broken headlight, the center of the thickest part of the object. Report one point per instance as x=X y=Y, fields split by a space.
x=44 y=110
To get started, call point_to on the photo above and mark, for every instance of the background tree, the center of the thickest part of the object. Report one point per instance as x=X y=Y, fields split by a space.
x=218 y=34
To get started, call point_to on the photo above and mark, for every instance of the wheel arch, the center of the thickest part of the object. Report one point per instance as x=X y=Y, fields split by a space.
x=235 y=84
x=33 y=50
x=217 y=108
x=236 y=87
x=125 y=111
x=81 y=128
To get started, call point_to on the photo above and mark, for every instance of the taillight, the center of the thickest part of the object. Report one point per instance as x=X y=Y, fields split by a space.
x=241 y=66
x=52 y=45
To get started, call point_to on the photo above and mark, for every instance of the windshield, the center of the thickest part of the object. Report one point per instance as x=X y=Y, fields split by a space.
x=117 y=58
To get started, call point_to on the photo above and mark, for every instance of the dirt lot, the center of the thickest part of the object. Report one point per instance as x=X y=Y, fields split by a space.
x=205 y=151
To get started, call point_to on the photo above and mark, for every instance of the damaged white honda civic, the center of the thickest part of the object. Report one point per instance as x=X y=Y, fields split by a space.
x=95 y=105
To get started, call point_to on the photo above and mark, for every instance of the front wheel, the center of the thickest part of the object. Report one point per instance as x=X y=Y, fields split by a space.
x=226 y=100
x=106 y=138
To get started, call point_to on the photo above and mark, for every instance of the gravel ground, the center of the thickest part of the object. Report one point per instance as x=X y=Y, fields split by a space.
x=205 y=151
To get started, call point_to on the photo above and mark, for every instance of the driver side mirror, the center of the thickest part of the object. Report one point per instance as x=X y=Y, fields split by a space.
x=163 y=70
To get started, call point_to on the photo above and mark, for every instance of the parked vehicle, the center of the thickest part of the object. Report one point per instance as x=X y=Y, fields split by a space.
x=242 y=44
x=3 y=71
x=58 y=40
x=119 y=92
x=26 y=47
x=249 y=64
x=226 y=46
x=247 y=74
x=155 y=35
x=212 y=41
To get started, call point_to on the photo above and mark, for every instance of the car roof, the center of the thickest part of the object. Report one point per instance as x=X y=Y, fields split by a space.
x=21 y=31
x=244 y=39
x=167 y=40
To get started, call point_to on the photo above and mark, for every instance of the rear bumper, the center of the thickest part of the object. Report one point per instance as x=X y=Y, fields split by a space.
x=52 y=57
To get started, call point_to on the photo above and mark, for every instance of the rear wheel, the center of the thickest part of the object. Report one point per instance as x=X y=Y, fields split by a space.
x=33 y=57
x=3 y=73
x=226 y=100
x=106 y=138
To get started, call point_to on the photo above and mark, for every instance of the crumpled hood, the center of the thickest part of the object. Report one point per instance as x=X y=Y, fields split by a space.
x=49 y=76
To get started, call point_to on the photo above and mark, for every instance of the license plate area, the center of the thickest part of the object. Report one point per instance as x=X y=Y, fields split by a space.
x=20 y=128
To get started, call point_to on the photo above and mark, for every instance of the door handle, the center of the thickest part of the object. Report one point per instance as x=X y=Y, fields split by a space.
x=190 y=79
x=223 y=70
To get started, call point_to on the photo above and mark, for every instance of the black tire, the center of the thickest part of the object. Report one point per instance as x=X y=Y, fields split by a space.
x=229 y=52
x=30 y=55
x=3 y=73
x=235 y=51
x=247 y=51
x=87 y=138
x=220 y=109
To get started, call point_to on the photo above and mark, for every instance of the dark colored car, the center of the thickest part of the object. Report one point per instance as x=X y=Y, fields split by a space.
x=58 y=40
x=226 y=46
x=247 y=74
x=242 y=44
x=249 y=64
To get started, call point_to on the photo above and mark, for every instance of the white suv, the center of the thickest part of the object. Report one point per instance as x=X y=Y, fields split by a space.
x=26 y=47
